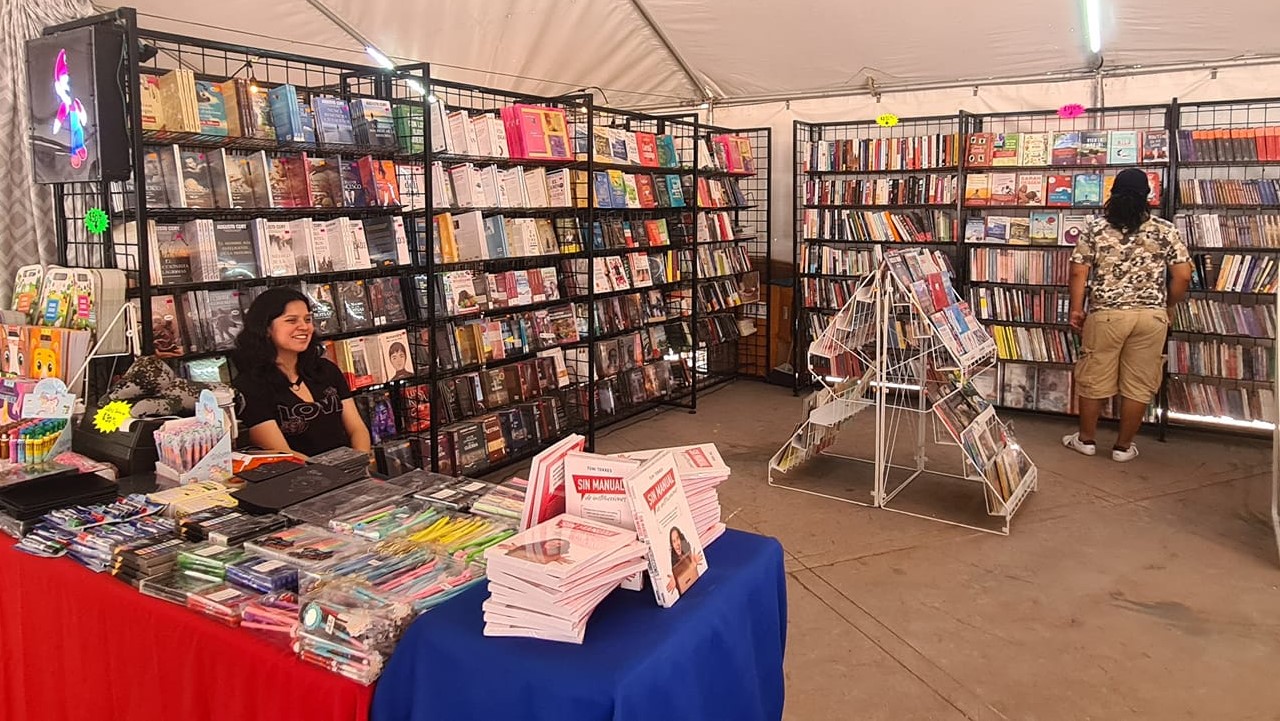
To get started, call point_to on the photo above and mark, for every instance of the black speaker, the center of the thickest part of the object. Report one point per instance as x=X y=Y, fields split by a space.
x=78 y=129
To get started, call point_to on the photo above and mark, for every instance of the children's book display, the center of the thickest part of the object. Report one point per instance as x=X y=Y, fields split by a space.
x=907 y=348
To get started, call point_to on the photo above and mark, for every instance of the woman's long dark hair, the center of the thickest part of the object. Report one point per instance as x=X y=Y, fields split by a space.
x=255 y=354
x=1126 y=212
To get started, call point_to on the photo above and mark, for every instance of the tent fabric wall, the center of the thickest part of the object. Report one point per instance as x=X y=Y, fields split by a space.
x=737 y=48
x=1188 y=86
x=30 y=234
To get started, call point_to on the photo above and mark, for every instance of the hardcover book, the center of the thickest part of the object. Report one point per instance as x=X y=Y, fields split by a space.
x=1030 y=189
x=1093 y=147
x=1087 y=189
x=1066 y=148
x=1005 y=149
x=1060 y=191
x=1035 y=149
x=1122 y=147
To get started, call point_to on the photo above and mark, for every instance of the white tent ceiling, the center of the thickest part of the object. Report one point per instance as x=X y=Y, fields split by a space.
x=736 y=49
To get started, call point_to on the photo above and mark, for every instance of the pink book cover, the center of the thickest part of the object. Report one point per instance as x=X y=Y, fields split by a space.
x=665 y=523
x=559 y=548
x=546 y=481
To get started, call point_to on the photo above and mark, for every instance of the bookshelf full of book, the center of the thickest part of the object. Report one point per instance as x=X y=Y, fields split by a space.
x=1031 y=183
x=491 y=271
x=1222 y=343
x=859 y=185
x=255 y=169
x=732 y=251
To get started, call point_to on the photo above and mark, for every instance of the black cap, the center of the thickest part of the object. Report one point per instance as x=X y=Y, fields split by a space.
x=1132 y=181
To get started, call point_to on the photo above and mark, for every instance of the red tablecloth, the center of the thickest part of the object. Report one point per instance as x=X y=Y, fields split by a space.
x=76 y=645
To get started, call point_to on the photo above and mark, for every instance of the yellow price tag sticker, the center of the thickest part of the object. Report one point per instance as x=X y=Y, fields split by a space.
x=888 y=120
x=110 y=417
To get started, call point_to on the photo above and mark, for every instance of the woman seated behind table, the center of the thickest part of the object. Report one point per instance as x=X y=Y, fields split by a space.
x=290 y=397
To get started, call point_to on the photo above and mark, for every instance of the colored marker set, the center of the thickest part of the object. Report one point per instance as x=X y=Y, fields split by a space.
x=181 y=445
x=31 y=443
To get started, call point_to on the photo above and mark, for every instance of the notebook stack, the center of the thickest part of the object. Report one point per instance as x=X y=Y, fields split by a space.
x=701 y=469
x=545 y=582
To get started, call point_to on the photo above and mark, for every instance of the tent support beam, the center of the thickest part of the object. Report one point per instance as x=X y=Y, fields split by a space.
x=342 y=23
x=671 y=49
x=1066 y=76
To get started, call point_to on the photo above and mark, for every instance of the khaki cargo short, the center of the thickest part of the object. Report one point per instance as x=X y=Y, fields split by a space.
x=1122 y=351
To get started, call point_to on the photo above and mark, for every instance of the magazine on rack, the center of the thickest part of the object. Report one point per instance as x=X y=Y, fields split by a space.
x=665 y=523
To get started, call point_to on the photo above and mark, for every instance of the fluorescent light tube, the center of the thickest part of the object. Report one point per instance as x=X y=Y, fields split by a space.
x=379 y=57
x=1093 y=24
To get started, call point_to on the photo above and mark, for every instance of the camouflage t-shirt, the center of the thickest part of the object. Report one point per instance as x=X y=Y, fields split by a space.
x=1129 y=272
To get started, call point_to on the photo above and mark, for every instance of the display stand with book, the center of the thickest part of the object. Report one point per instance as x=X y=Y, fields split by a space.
x=1032 y=181
x=859 y=186
x=492 y=271
x=906 y=348
x=1221 y=367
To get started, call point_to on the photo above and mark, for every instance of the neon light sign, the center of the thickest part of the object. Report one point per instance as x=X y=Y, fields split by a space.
x=71 y=112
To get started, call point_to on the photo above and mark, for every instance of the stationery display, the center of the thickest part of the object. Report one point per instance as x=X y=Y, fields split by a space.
x=363 y=493
x=456 y=494
x=209 y=559
x=182 y=501
x=302 y=484
x=347 y=634
x=174 y=586
x=144 y=559
x=345 y=459
x=463 y=537
x=505 y=500
x=375 y=523
x=265 y=575
x=306 y=546
x=222 y=602
x=197 y=448
x=31 y=443
x=546 y=581
x=276 y=613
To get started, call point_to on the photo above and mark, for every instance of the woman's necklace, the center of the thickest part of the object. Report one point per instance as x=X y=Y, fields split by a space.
x=295 y=385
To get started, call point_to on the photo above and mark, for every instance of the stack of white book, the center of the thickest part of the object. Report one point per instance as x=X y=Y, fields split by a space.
x=701 y=469
x=546 y=581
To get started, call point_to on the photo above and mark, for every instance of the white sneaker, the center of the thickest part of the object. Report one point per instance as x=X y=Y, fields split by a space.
x=1125 y=456
x=1074 y=443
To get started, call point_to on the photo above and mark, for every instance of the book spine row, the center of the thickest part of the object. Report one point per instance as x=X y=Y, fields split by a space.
x=829 y=260
x=1217 y=191
x=1042 y=345
x=826 y=293
x=1213 y=230
x=881 y=154
x=1211 y=316
x=879 y=227
x=1229 y=145
x=912 y=189
x=997 y=265
x=1021 y=305
x=1234 y=273
x=1221 y=359
x=1206 y=399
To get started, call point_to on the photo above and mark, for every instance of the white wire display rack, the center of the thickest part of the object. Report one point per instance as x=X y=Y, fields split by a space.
x=905 y=348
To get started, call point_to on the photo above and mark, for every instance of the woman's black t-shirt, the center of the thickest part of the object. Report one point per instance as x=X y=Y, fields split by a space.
x=310 y=428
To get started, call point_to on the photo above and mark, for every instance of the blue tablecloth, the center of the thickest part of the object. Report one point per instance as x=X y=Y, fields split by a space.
x=715 y=655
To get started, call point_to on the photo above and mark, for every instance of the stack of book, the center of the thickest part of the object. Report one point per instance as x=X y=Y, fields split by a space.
x=701 y=469
x=546 y=582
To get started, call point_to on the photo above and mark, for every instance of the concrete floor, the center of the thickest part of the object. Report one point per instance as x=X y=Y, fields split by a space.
x=1142 y=591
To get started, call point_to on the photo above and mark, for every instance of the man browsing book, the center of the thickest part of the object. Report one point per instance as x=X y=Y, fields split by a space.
x=1135 y=268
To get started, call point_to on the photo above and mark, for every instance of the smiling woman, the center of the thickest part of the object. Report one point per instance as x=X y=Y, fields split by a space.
x=289 y=396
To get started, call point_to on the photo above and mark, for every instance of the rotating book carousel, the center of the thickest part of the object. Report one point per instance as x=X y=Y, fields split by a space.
x=896 y=363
